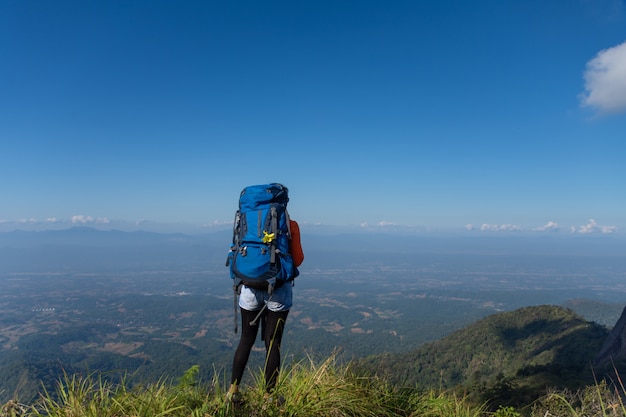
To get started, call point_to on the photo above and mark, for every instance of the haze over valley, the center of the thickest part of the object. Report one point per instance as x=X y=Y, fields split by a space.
x=151 y=304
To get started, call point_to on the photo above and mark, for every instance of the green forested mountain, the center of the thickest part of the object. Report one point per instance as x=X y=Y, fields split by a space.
x=514 y=354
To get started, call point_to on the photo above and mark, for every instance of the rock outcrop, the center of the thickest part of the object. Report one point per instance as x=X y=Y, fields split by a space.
x=614 y=348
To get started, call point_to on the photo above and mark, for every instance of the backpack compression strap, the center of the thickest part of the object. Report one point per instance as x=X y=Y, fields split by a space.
x=274 y=231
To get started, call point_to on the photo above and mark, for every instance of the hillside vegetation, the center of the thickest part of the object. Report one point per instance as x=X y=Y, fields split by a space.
x=305 y=389
x=507 y=358
x=533 y=361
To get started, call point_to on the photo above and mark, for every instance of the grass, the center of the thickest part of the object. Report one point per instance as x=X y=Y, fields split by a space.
x=599 y=400
x=304 y=389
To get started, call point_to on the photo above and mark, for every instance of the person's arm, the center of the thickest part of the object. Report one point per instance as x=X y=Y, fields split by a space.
x=295 y=246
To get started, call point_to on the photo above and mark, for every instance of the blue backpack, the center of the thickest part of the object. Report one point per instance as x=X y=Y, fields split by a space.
x=259 y=254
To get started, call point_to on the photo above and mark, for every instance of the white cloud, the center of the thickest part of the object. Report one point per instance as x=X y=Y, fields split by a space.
x=81 y=219
x=382 y=223
x=594 y=227
x=28 y=221
x=548 y=227
x=217 y=223
x=52 y=220
x=469 y=227
x=500 y=228
x=605 y=81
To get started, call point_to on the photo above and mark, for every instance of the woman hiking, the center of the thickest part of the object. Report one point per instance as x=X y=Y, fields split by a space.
x=263 y=306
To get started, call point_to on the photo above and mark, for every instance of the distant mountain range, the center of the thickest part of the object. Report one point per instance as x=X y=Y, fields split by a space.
x=88 y=249
x=76 y=247
x=91 y=236
x=357 y=240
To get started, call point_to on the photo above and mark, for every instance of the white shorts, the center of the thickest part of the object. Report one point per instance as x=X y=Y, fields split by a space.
x=253 y=300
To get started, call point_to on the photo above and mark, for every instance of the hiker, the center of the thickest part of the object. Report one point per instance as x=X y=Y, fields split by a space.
x=264 y=302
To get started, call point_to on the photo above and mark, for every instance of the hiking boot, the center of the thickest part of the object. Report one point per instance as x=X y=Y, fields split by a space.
x=272 y=400
x=235 y=399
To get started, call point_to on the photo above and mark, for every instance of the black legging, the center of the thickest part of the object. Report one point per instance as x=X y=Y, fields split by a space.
x=273 y=334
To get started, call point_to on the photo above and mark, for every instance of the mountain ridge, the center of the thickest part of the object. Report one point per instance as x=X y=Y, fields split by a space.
x=525 y=351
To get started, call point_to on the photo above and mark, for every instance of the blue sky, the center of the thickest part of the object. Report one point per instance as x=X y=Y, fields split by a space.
x=450 y=115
